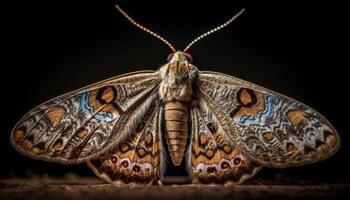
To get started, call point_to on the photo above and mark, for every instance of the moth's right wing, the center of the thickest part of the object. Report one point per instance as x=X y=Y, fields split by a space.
x=269 y=128
x=87 y=122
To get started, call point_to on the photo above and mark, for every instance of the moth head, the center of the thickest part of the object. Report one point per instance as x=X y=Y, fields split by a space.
x=178 y=67
x=179 y=56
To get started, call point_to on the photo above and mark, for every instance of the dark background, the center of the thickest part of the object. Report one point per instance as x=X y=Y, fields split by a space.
x=290 y=46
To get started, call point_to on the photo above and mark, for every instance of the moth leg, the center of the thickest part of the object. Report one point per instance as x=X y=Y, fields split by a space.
x=195 y=181
x=118 y=183
x=230 y=184
x=160 y=183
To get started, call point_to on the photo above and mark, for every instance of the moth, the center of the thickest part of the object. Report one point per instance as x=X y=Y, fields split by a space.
x=224 y=128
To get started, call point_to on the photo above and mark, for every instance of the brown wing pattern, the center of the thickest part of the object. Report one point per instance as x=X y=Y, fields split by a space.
x=211 y=157
x=270 y=128
x=79 y=125
x=137 y=159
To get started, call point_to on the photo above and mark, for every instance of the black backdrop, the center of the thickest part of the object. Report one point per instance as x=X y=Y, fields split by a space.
x=290 y=46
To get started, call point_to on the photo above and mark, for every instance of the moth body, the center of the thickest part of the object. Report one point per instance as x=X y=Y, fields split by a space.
x=176 y=129
x=176 y=93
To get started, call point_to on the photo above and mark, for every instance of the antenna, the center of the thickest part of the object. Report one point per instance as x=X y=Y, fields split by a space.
x=138 y=25
x=214 y=29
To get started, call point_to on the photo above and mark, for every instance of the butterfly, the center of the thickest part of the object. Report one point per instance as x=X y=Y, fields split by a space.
x=224 y=128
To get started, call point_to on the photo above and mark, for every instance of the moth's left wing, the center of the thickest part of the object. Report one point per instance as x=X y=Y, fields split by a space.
x=84 y=123
x=270 y=128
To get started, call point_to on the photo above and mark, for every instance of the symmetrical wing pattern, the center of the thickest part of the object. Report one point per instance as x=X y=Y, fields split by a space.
x=117 y=127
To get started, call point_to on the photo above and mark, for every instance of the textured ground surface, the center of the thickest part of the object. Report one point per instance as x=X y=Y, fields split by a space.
x=71 y=187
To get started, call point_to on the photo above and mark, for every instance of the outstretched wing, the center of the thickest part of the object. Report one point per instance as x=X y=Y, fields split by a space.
x=271 y=129
x=210 y=157
x=139 y=158
x=86 y=122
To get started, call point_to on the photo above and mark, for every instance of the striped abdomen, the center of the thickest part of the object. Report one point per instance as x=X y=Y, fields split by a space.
x=176 y=129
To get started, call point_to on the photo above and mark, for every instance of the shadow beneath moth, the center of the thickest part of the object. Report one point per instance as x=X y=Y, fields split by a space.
x=224 y=128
